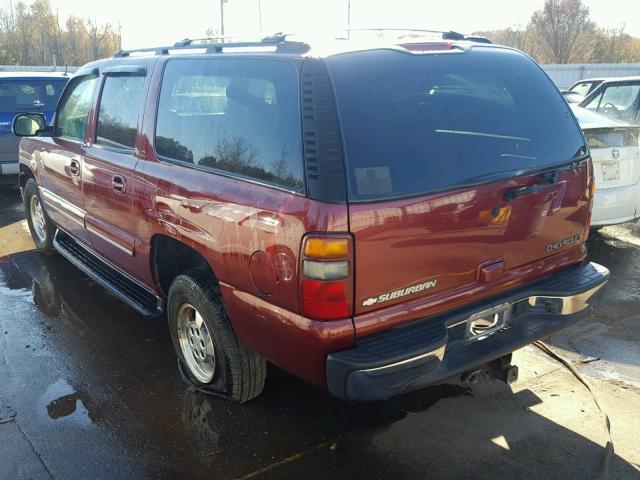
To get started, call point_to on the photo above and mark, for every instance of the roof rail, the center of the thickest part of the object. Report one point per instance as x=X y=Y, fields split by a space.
x=446 y=35
x=218 y=45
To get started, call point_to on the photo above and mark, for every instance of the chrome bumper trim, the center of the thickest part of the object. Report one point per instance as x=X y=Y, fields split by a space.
x=437 y=353
x=571 y=304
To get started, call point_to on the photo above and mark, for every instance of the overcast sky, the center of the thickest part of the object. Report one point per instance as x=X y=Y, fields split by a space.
x=149 y=23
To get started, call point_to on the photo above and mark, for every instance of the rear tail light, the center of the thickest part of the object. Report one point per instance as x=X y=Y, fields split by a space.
x=326 y=248
x=325 y=270
x=327 y=278
x=592 y=196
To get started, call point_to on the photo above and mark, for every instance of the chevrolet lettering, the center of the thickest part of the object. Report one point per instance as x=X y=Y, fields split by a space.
x=564 y=243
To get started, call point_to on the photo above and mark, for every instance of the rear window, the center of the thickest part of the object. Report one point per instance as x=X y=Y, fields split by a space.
x=415 y=124
x=29 y=95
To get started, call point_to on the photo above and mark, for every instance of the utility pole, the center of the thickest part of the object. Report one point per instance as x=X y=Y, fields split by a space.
x=222 y=19
x=260 y=17
x=348 y=19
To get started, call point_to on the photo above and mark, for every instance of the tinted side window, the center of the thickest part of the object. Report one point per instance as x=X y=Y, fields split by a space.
x=233 y=115
x=118 y=113
x=73 y=111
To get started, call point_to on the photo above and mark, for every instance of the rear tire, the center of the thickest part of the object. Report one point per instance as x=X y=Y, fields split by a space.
x=40 y=225
x=209 y=353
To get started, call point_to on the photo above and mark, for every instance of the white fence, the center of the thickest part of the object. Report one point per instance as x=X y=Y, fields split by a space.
x=566 y=75
x=36 y=68
x=563 y=75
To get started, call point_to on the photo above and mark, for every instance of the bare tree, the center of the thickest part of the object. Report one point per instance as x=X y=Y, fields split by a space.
x=32 y=35
x=609 y=46
x=564 y=31
x=511 y=37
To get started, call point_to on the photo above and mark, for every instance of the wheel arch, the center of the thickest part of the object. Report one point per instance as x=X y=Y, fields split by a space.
x=25 y=174
x=171 y=257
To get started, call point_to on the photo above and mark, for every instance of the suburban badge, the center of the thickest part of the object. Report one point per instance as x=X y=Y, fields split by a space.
x=385 y=297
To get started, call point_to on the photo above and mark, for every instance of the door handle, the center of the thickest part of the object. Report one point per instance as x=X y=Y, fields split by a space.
x=74 y=168
x=119 y=184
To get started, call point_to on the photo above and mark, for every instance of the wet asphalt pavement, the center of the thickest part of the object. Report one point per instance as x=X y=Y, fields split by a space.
x=88 y=388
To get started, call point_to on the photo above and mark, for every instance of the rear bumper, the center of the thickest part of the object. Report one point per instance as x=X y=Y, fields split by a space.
x=428 y=351
x=616 y=205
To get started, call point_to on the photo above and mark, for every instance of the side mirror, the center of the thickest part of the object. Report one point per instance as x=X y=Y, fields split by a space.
x=29 y=124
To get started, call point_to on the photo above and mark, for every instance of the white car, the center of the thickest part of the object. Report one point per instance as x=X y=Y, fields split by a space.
x=615 y=150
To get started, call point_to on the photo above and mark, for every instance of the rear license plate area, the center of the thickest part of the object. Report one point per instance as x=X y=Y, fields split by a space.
x=484 y=324
x=610 y=171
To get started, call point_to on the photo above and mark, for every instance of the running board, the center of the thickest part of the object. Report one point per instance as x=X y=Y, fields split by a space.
x=135 y=295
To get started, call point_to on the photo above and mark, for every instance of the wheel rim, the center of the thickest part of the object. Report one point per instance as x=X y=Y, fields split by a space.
x=195 y=343
x=38 y=219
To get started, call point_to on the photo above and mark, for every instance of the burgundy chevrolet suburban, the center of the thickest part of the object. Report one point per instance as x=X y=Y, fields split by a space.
x=373 y=219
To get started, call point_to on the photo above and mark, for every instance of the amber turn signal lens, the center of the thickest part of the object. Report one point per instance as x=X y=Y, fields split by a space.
x=326 y=248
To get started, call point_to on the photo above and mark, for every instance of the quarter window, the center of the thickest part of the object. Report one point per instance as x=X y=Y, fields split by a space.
x=119 y=109
x=234 y=116
x=73 y=111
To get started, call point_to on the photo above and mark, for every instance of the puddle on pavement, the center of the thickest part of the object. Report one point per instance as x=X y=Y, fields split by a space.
x=63 y=402
x=13 y=279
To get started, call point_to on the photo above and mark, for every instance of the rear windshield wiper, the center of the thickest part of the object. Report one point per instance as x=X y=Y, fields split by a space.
x=488 y=177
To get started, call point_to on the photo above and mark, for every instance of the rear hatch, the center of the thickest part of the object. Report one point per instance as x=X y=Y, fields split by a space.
x=615 y=149
x=462 y=164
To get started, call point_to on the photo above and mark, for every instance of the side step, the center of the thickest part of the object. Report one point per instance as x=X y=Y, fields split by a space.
x=138 y=297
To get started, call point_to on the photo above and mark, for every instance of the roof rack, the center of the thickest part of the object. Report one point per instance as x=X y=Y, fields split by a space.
x=277 y=43
x=445 y=35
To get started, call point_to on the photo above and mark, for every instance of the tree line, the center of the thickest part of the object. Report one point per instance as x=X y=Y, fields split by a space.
x=563 y=32
x=34 y=35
